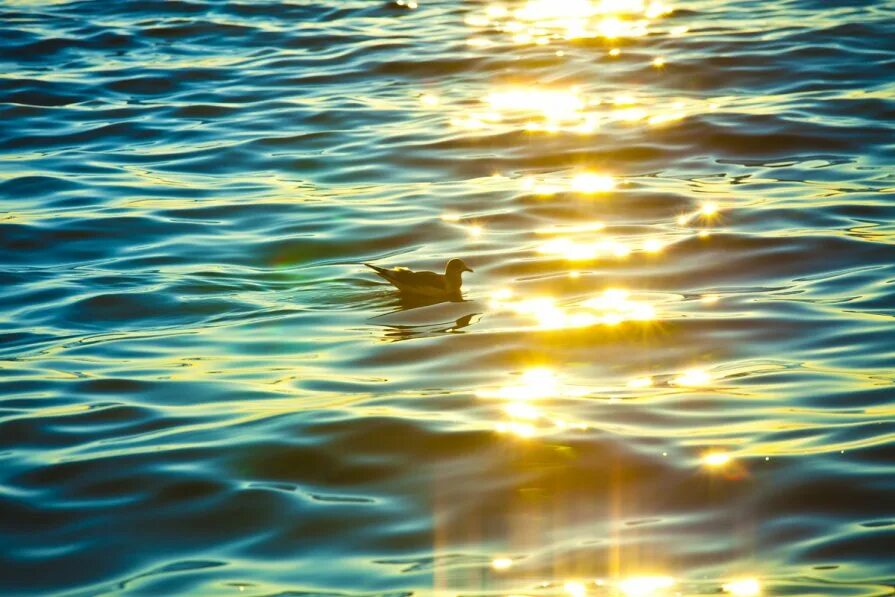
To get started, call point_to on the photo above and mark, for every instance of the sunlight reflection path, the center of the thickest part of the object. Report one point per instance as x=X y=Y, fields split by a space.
x=569 y=110
x=612 y=307
x=539 y=403
x=544 y=21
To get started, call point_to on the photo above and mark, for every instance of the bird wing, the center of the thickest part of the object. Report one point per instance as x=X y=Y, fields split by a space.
x=428 y=283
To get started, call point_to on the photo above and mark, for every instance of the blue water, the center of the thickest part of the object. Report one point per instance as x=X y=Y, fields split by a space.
x=205 y=392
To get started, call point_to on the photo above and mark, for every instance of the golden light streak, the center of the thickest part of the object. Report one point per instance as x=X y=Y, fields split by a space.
x=612 y=307
x=743 y=587
x=573 y=228
x=590 y=183
x=709 y=208
x=502 y=294
x=653 y=245
x=479 y=42
x=543 y=21
x=584 y=183
x=563 y=110
x=522 y=410
x=715 y=459
x=640 y=382
x=546 y=190
x=622 y=6
x=614 y=27
x=616 y=307
x=553 y=104
x=657 y=119
x=630 y=114
x=537 y=383
x=577 y=251
x=469 y=122
x=496 y=11
x=430 y=99
x=657 y=9
x=588 y=125
x=524 y=430
x=501 y=563
x=693 y=378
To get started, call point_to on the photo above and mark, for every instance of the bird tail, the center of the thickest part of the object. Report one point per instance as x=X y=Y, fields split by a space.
x=379 y=270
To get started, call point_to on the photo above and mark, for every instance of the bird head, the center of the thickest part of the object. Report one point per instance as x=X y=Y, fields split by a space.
x=455 y=267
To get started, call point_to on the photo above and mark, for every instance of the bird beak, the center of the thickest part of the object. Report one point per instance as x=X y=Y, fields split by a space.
x=469 y=269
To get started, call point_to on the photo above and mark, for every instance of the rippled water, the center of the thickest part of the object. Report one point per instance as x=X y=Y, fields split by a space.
x=205 y=392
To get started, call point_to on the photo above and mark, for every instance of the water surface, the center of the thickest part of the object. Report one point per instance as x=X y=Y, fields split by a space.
x=673 y=373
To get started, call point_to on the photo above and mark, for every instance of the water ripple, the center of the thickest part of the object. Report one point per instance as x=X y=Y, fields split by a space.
x=673 y=372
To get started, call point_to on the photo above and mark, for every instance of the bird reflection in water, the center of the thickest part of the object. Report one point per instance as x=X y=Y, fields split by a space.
x=396 y=332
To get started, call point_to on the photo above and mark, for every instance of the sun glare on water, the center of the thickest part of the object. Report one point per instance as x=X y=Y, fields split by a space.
x=570 y=110
x=590 y=183
x=612 y=307
x=553 y=104
x=743 y=587
x=536 y=383
x=693 y=378
x=524 y=410
x=530 y=406
x=545 y=21
x=716 y=459
x=579 y=251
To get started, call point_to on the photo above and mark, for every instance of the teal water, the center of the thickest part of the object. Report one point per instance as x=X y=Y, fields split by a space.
x=673 y=373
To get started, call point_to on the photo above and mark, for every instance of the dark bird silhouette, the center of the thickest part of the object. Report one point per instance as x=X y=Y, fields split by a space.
x=445 y=287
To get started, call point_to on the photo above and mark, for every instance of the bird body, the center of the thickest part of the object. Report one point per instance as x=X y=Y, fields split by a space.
x=444 y=286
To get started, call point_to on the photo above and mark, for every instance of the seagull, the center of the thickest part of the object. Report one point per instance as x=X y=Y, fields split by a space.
x=429 y=284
